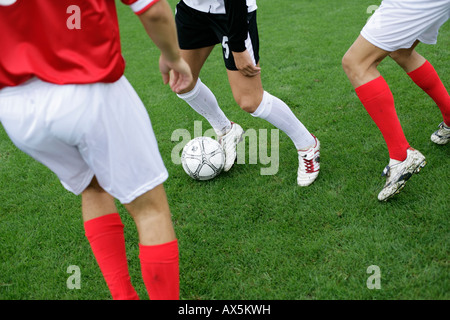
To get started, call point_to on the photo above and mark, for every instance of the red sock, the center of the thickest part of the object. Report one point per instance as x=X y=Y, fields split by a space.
x=428 y=80
x=105 y=234
x=378 y=100
x=160 y=270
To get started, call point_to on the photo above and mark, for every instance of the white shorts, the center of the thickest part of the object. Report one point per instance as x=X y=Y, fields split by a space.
x=79 y=131
x=397 y=24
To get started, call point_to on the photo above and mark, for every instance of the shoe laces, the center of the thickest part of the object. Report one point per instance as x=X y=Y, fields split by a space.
x=309 y=165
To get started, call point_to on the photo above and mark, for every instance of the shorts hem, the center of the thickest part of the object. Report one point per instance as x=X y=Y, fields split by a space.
x=82 y=187
x=143 y=189
x=384 y=47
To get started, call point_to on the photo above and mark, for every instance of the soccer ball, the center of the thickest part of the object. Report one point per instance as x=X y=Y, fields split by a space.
x=203 y=158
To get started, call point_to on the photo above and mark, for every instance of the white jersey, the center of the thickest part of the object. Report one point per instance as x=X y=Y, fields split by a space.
x=215 y=6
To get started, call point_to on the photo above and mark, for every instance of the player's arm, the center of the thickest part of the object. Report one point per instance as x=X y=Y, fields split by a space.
x=159 y=23
x=237 y=34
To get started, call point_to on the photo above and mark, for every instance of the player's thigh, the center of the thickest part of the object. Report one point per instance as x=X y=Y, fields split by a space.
x=409 y=59
x=363 y=54
x=247 y=91
x=196 y=59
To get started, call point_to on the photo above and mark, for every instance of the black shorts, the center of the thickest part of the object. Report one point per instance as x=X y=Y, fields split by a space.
x=198 y=29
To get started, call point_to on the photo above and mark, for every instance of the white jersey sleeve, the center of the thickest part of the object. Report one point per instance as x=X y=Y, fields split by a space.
x=139 y=6
x=215 y=6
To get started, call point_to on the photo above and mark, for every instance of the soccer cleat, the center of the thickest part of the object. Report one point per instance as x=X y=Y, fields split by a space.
x=228 y=142
x=442 y=135
x=309 y=165
x=398 y=174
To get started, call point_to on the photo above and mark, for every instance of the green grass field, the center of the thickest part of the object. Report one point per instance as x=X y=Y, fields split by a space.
x=245 y=235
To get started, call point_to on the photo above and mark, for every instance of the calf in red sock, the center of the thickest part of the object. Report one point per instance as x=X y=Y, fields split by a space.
x=394 y=30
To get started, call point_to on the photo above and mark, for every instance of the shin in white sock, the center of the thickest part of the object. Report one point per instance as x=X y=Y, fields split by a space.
x=281 y=116
x=202 y=100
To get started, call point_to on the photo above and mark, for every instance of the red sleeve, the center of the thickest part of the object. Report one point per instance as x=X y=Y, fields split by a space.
x=140 y=6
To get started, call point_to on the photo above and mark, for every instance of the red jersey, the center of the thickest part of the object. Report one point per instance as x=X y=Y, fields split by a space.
x=61 y=41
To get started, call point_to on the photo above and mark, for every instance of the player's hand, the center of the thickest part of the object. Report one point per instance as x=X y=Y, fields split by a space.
x=245 y=65
x=177 y=74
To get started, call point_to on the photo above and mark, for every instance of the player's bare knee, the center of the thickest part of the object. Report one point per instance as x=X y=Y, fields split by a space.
x=248 y=103
x=359 y=70
x=348 y=63
x=248 y=106
x=351 y=69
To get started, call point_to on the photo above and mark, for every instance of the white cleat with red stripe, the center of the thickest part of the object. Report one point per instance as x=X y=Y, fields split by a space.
x=309 y=165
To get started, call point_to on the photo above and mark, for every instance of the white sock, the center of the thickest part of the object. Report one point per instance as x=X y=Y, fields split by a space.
x=202 y=100
x=281 y=116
